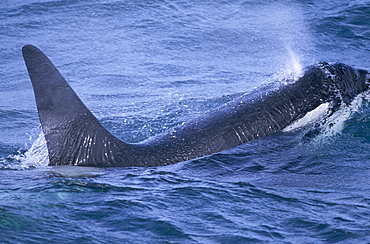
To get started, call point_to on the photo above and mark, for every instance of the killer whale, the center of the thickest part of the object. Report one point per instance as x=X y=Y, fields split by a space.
x=74 y=136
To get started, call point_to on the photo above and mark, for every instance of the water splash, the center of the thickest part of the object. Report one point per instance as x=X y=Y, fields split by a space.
x=335 y=124
x=322 y=128
x=35 y=157
x=294 y=67
x=289 y=37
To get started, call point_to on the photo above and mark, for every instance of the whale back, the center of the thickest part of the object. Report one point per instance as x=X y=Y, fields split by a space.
x=74 y=136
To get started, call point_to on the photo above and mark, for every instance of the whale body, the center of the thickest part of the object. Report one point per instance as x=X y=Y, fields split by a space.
x=74 y=136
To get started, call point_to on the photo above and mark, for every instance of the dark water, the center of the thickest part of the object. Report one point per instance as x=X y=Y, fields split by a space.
x=144 y=66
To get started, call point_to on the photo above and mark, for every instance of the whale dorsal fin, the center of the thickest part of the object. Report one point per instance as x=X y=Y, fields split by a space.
x=73 y=134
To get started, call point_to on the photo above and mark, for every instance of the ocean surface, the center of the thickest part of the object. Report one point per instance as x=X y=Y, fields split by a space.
x=145 y=66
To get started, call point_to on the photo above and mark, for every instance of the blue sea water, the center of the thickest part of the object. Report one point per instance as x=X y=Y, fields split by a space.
x=145 y=66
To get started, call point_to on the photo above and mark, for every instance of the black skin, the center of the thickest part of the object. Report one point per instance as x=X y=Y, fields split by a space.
x=75 y=137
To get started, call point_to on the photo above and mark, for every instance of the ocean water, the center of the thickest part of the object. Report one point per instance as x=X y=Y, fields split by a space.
x=145 y=66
